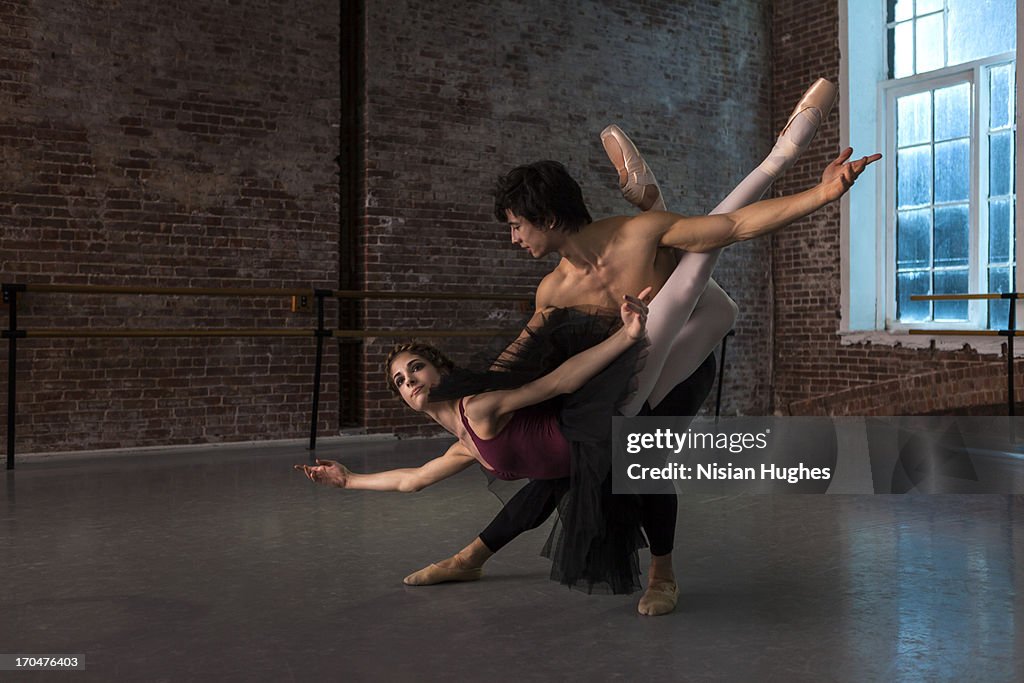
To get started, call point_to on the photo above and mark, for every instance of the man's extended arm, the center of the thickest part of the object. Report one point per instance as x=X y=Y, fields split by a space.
x=704 y=233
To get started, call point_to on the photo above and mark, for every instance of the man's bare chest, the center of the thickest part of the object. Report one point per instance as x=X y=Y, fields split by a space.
x=605 y=285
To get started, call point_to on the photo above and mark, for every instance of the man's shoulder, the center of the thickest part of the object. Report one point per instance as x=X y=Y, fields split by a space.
x=605 y=228
x=551 y=285
x=622 y=228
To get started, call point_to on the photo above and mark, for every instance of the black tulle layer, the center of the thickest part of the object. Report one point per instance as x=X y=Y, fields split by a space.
x=593 y=545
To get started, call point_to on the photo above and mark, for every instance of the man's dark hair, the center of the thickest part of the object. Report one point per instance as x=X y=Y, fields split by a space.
x=543 y=193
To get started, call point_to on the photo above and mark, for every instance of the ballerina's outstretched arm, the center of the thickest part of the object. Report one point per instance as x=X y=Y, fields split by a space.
x=572 y=374
x=408 y=479
x=677 y=346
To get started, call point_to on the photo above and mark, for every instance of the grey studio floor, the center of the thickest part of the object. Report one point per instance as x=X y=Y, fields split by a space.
x=224 y=564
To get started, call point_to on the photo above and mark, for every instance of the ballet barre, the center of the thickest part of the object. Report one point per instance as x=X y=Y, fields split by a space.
x=129 y=333
x=1010 y=332
x=265 y=292
x=13 y=333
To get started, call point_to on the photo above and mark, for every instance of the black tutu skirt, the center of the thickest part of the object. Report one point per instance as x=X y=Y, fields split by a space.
x=593 y=545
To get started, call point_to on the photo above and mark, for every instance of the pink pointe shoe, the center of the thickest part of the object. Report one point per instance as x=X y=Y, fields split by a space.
x=639 y=186
x=821 y=96
x=801 y=127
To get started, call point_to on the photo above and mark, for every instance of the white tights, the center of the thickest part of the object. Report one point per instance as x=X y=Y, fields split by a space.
x=691 y=313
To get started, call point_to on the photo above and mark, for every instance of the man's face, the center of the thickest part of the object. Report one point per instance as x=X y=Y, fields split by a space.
x=535 y=238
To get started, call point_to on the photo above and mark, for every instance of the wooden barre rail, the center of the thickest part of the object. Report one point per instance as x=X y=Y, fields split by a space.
x=964 y=297
x=441 y=296
x=54 y=333
x=354 y=334
x=11 y=292
x=1009 y=333
x=270 y=292
x=194 y=291
x=972 y=333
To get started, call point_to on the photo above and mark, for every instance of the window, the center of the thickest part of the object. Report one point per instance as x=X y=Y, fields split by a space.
x=944 y=116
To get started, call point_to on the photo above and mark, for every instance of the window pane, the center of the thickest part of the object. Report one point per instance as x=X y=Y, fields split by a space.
x=1000 y=101
x=952 y=236
x=930 y=43
x=914 y=119
x=979 y=29
x=999 y=311
x=901 y=10
x=953 y=112
x=914 y=176
x=913 y=239
x=936 y=188
x=952 y=171
x=908 y=284
x=999 y=231
x=999 y=164
x=951 y=282
x=903 y=61
x=1013 y=90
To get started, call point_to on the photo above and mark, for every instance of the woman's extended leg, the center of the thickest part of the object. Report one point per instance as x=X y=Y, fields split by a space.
x=712 y=318
x=671 y=310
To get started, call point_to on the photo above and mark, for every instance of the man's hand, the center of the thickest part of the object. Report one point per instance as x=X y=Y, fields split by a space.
x=840 y=175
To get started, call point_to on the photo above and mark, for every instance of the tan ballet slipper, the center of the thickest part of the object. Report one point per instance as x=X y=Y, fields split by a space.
x=434 y=573
x=636 y=179
x=659 y=598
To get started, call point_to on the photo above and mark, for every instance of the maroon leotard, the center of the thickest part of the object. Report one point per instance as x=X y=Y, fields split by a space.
x=530 y=446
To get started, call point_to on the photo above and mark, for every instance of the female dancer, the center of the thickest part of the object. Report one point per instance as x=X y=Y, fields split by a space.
x=518 y=433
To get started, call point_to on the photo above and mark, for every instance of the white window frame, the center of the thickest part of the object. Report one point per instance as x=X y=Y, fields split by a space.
x=867 y=253
x=973 y=74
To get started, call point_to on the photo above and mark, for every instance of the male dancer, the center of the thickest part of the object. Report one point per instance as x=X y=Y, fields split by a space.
x=603 y=258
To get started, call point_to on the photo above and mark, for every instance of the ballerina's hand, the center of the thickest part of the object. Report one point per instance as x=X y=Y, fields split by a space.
x=326 y=472
x=634 y=314
x=840 y=175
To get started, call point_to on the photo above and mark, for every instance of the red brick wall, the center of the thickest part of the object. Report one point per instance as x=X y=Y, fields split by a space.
x=976 y=389
x=459 y=93
x=172 y=144
x=193 y=144
x=811 y=365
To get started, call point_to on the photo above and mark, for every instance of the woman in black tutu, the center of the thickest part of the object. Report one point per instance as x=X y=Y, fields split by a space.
x=543 y=414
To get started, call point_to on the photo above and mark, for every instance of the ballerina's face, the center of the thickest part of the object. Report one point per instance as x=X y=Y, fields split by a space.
x=414 y=376
x=529 y=235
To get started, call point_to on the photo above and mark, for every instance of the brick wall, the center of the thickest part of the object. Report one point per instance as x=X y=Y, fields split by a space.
x=459 y=93
x=814 y=372
x=169 y=144
x=193 y=144
x=977 y=389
